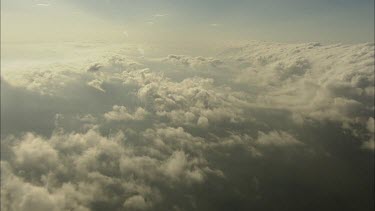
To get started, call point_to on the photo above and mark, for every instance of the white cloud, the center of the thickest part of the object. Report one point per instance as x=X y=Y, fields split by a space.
x=160 y=15
x=275 y=138
x=315 y=81
x=156 y=135
x=370 y=144
x=42 y=5
x=126 y=33
x=120 y=113
x=215 y=24
x=135 y=203
x=194 y=62
x=97 y=84
x=202 y=122
x=32 y=153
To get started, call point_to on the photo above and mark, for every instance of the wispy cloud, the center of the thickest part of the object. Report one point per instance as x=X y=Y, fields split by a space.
x=160 y=15
x=215 y=24
x=125 y=33
x=43 y=4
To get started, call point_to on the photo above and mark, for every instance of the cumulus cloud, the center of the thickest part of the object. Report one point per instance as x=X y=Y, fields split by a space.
x=321 y=82
x=202 y=121
x=120 y=113
x=97 y=84
x=135 y=203
x=33 y=153
x=194 y=62
x=257 y=124
x=91 y=165
x=275 y=138
x=370 y=144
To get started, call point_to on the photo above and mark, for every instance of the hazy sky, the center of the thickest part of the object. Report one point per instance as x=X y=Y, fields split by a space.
x=160 y=105
x=189 y=21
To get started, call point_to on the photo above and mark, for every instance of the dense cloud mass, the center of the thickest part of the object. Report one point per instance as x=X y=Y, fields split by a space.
x=266 y=126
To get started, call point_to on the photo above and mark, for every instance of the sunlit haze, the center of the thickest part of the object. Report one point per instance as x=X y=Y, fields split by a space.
x=178 y=105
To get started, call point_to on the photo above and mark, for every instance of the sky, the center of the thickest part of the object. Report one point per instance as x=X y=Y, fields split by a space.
x=177 y=21
x=187 y=105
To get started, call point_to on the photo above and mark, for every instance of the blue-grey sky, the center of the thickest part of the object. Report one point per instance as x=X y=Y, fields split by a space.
x=179 y=20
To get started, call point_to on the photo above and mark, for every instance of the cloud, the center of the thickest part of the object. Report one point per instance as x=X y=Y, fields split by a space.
x=160 y=15
x=256 y=124
x=120 y=113
x=98 y=163
x=178 y=165
x=370 y=144
x=135 y=203
x=194 y=62
x=43 y=5
x=94 y=68
x=215 y=24
x=32 y=152
x=97 y=84
x=309 y=79
x=275 y=138
x=202 y=122
x=126 y=33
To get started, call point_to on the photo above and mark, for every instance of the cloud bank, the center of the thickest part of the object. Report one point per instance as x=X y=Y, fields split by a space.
x=265 y=126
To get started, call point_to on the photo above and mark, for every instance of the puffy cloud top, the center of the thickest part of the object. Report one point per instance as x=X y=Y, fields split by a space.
x=255 y=127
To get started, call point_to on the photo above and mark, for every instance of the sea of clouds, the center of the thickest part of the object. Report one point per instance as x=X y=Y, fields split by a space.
x=264 y=126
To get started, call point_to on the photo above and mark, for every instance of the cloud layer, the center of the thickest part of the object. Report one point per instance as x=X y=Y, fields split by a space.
x=265 y=126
